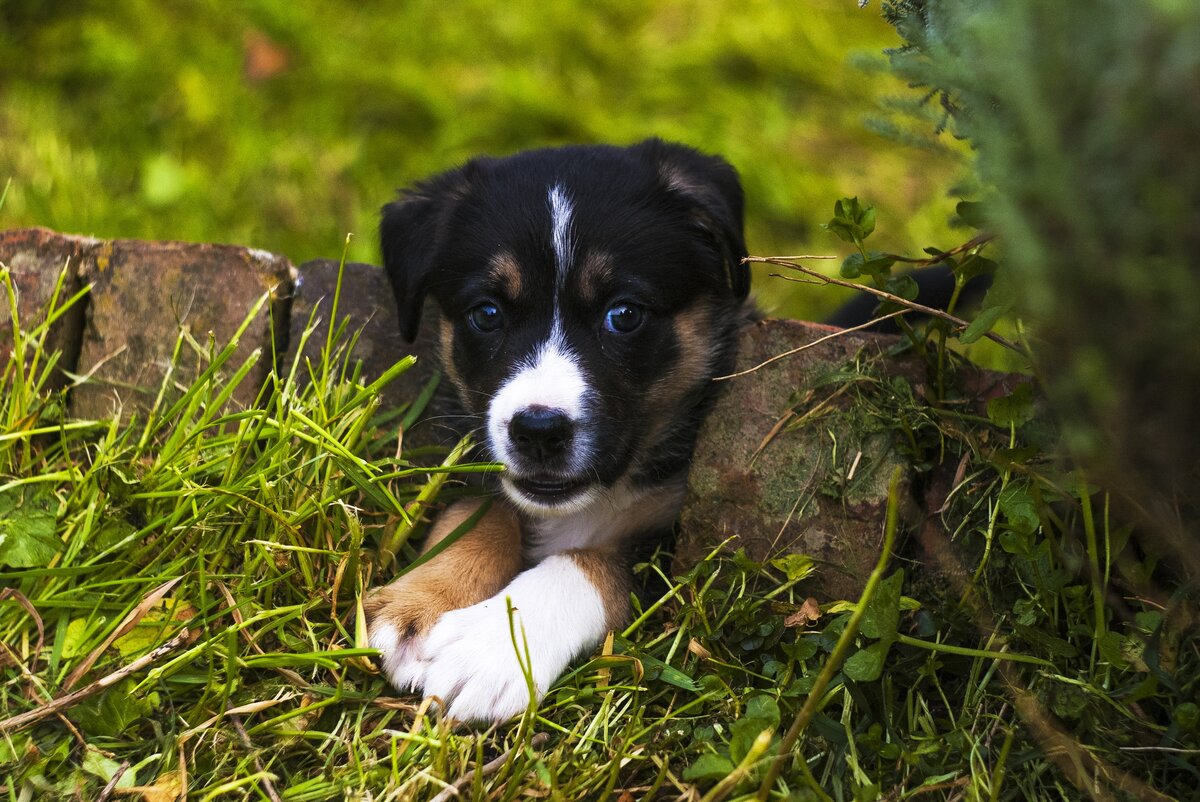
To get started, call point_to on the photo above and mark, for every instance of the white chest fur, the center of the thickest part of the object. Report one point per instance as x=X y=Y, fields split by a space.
x=613 y=516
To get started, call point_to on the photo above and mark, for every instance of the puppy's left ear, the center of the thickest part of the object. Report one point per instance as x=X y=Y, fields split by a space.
x=711 y=184
x=411 y=235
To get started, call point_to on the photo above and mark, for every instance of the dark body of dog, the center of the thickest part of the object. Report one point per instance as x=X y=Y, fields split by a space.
x=588 y=296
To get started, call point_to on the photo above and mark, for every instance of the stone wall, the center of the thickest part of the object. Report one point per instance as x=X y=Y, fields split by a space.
x=756 y=481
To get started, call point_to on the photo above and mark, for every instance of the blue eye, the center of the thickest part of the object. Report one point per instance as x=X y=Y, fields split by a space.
x=485 y=318
x=623 y=318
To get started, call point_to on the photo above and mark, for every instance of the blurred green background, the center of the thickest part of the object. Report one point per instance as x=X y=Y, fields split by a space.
x=287 y=125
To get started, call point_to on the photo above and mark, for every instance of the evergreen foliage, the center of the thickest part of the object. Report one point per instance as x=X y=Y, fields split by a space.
x=1086 y=119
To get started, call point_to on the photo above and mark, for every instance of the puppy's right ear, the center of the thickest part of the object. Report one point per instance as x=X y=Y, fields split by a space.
x=411 y=235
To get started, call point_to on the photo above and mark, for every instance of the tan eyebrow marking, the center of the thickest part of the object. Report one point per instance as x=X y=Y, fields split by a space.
x=505 y=270
x=691 y=366
x=597 y=268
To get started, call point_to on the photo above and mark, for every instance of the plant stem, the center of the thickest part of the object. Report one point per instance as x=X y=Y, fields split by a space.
x=843 y=645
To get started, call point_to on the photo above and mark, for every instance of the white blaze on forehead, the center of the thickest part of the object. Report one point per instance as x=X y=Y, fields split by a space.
x=560 y=228
x=551 y=379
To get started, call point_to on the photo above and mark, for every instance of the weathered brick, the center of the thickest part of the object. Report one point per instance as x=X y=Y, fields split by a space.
x=778 y=491
x=367 y=302
x=143 y=294
x=35 y=258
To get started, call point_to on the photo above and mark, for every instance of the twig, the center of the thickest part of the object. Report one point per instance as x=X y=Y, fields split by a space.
x=1074 y=759
x=112 y=784
x=887 y=296
x=131 y=620
x=971 y=244
x=491 y=767
x=268 y=786
x=816 y=342
x=22 y=720
x=21 y=599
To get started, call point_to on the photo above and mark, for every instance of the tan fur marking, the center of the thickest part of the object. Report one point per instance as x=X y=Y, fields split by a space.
x=446 y=350
x=473 y=568
x=690 y=369
x=506 y=271
x=607 y=573
x=595 y=270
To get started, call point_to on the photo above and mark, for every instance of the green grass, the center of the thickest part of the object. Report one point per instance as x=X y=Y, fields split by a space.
x=1030 y=657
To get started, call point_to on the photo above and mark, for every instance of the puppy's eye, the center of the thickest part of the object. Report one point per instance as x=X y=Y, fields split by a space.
x=485 y=318
x=623 y=318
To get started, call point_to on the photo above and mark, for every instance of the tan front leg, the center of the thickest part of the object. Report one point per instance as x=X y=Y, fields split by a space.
x=473 y=568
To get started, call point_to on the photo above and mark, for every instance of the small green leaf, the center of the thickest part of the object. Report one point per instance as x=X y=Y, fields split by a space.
x=1014 y=409
x=1015 y=542
x=709 y=767
x=982 y=324
x=851 y=221
x=852 y=266
x=867 y=664
x=763 y=708
x=76 y=639
x=27 y=529
x=794 y=566
x=762 y=713
x=101 y=765
x=974 y=266
x=972 y=213
x=801 y=649
x=882 y=616
x=14 y=747
x=878 y=264
x=111 y=713
x=904 y=286
x=866 y=221
x=1113 y=648
x=1019 y=509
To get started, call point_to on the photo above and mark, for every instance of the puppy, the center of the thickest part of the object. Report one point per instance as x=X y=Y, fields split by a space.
x=587 y=296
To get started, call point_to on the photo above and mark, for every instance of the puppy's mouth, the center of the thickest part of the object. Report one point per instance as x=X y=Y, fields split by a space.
x=549 y=490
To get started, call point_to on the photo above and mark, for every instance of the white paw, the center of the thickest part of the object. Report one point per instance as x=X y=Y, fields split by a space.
x=468 y=659
x=473 y=665
x=402 y=657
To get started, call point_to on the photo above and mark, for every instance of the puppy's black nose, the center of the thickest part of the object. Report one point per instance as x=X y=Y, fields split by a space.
x=540 y=433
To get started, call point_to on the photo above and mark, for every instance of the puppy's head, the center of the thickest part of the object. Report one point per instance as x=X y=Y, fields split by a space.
x=588 y=295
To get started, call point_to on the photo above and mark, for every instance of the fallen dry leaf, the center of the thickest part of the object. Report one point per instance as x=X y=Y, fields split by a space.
x=809 y=613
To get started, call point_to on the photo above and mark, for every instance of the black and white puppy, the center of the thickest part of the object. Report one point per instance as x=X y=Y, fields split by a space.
x=587 y=295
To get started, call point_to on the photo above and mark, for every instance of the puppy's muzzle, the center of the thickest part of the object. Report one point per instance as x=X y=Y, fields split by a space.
x=541 y=434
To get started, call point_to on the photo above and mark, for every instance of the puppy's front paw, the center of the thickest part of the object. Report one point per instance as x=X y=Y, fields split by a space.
x=472 y=663
x=399 y=618
x=479 y=563
x=469 y=658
